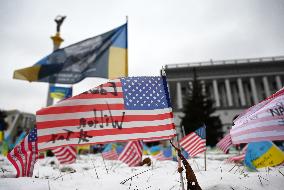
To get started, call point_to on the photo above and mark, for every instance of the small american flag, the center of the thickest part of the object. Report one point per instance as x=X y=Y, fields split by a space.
x=262 y=122
x=65 y=155
x=165 y=154
x=239 y=158
x=225 y=143
x=25 y=154
x=195 y=142
x=109 y=152
x=132 y=153
x=131 y=108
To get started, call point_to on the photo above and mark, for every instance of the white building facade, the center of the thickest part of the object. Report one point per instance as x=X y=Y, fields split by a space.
x=234 y=85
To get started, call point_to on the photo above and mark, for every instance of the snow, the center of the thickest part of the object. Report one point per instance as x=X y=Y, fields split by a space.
x=90 y=173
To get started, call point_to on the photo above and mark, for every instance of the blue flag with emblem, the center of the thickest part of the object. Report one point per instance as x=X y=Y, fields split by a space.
x=102 y=56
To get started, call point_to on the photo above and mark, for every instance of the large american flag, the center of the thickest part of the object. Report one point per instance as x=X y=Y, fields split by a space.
x=262 y=122
x=225 y=143
x=25 y=154
x=131 y=108
x=132 y=153
x=195 y=142
x=65 y=154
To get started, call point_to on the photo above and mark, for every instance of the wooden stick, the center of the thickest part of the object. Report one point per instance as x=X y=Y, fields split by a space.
x=192 y=182
x=104 y=163
x=95 y=169
x=205 y=159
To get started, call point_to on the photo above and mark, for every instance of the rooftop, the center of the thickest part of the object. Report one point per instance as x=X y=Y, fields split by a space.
x=226 y=62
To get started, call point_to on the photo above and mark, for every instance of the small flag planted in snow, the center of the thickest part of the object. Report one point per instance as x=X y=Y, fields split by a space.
x=109 y=152
x=263 y=154
x=25 y=154
x=65 y=155
x=195 y=142
x=225 y=143
x=132 y=153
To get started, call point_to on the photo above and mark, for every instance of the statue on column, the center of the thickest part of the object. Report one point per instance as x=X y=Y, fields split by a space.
x=59 y=20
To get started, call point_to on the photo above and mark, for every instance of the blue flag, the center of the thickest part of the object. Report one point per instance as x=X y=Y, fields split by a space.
x=263 y=154
x=58 y=92
x=102 y=56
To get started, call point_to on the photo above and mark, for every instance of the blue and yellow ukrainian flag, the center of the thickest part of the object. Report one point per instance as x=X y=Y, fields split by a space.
x=58 y=92
x=154 y=150
x=263 y=154
x=102 y=56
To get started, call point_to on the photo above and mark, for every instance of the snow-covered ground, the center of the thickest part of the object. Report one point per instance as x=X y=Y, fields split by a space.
x=90 y=173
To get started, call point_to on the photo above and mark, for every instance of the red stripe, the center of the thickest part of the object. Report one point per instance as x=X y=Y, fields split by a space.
x=132 y=153
x=104 y=142
x=94 y=96
x=29 y=159
x=99 y=120
x=65 y=154
x=104 y=132
x=100 y=91
x=9 y=156
x=22 y=160
x=193 y=144
x=271 y=138
x=82 y=108
x=258 y=129
x=260 y=120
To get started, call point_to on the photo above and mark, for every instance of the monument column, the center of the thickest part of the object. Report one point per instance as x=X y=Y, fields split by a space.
x=228 y=92
x=278 y=82
x=266 y=86
x=216 y=93
x=241 y=91
x=179 y=96
x=253 y=89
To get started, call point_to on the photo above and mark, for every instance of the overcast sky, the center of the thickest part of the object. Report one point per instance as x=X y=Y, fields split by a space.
x=160 y=32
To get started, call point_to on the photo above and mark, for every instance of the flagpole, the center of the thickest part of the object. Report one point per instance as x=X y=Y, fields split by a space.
x=179 y=165
x=126 y=66
x=205 y=150
x=104 y=162
x=57 y=40
x=205 y=158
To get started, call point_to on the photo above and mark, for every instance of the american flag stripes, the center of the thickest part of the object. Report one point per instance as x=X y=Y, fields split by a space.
x=162 y=157
x=239 y=158
x=131 y=108
x=195 y=142
x=262 y=122
x=132 y=153
x=65 y=155
x=109 y=152
x=164 y=154
x=225 y=143
x=25 y=154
